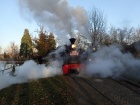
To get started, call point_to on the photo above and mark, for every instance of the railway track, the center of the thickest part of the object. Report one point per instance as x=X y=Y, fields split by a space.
x=135 y=87
x=105 y=91
x=85 y=91
x=98 y=91
x=80 y=97
x=90 y=95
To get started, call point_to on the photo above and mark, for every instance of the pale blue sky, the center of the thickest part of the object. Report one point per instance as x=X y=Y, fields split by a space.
x=119 y=13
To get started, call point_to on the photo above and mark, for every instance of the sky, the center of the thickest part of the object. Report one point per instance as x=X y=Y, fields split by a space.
x=13 y=19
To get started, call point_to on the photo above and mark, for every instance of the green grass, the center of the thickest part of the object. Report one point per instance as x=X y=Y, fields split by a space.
x=46 y=91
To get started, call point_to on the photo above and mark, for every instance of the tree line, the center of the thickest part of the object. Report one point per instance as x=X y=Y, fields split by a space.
x=101 y=34
x=30 y=47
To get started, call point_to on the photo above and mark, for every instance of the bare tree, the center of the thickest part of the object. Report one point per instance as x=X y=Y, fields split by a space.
x=129 y=35
x=0 y=50
x=113 y=34
x=97 y=22
x=12 y=49
x=121 y=36
x=107 y=40
x=41 y=29
x=125 y=35
x=136 y=37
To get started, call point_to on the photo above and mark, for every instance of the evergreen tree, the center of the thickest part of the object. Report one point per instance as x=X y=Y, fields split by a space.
x=51 y=42
x=41 y=44
x=5 y=55
x=45 y=43
x=26 y=44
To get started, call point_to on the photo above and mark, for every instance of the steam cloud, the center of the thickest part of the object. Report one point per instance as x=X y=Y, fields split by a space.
x=106 y=62
x=58 y=15
x=111 y=62
x=30 y=70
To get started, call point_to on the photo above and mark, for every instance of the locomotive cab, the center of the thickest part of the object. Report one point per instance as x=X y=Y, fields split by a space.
x=73 y=63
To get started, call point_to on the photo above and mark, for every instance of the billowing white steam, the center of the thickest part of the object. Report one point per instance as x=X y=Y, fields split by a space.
x=30 y=70
x=106 y=62
x=2 y=65
x=111 y=62
x=58 y=15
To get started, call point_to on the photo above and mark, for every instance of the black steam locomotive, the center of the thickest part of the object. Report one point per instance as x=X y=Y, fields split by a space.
x=73 y=62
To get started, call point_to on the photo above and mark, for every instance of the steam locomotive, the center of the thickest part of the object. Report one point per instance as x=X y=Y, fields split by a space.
x=73 y=62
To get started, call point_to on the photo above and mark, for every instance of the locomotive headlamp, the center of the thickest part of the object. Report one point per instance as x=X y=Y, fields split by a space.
x=90 y=59
x=73 y=46
x=94 y=48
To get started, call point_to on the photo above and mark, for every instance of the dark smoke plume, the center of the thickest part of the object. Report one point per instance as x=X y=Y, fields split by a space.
x=58 y=15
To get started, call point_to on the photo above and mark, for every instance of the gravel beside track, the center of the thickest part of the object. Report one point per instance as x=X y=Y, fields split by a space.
x=96 y=91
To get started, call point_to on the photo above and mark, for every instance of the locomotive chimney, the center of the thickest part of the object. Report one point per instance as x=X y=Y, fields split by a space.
x=72 y=40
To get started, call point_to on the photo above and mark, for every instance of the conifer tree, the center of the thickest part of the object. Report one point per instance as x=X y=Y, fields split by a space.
x=51 y=42
x=41 y=44
x=26 y=44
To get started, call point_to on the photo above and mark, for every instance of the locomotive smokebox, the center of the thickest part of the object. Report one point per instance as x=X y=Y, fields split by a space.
x=72 y=40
